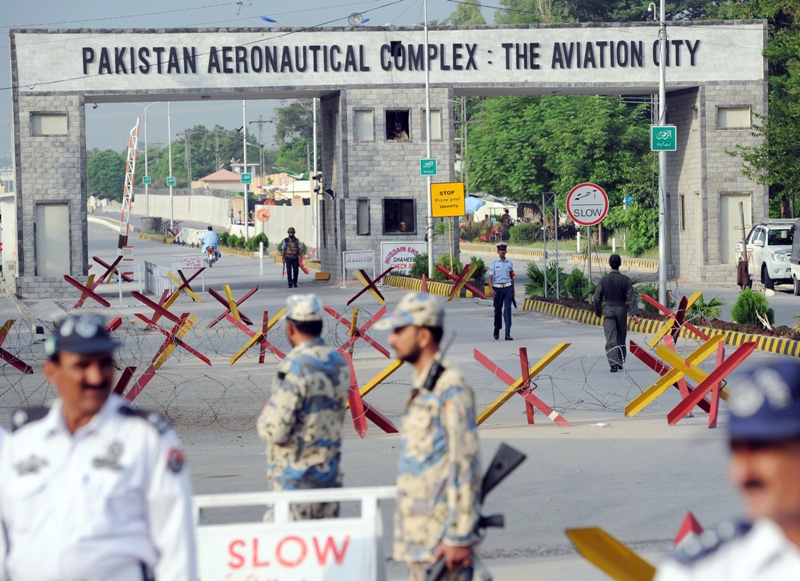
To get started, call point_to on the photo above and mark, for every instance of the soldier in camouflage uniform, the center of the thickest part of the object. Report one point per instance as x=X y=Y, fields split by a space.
x=438 y=482
x=302 y=421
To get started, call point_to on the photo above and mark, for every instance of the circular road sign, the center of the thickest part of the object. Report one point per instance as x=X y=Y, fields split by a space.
x=587 y=204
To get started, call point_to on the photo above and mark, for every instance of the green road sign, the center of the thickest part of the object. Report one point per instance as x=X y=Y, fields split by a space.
x=427 y=167
x=170 y=181
x=146 y=180
x=663 y=138
x=247 y=178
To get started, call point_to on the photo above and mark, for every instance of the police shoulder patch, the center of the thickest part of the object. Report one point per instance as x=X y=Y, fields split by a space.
x=160 y=423
x=698 y=547
x=24 y=416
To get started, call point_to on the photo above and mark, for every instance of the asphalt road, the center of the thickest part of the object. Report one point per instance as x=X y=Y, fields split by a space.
x=635 y=477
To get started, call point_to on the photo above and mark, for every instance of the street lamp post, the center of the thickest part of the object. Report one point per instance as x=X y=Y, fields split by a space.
x=169 y=142
x=429 y=229
x=146 y=172
x=662 y=160
x=244 y=170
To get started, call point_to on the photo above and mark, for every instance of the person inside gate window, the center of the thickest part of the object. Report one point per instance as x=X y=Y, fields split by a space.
x=399 y=134
x=91 y=487
x=290 y=253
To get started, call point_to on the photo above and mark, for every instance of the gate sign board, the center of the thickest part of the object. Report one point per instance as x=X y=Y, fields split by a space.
x=358 y=260
x=587 y=204
x=342 y=550
x=663 y=138
x=187 y=262
x=400 y=255
x=447 y=200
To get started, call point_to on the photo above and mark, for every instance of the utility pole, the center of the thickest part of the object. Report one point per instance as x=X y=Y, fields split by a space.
x=261 y=122
x=662 y=160
x=187 y=154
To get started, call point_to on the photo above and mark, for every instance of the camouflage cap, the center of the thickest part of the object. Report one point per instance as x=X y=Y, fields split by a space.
x=419 y=309
x=303 y=308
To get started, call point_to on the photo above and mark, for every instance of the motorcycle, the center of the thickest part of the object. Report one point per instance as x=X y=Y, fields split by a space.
x=209 y=256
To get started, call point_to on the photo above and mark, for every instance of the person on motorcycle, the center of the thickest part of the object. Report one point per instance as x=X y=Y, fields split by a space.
x=211 y=239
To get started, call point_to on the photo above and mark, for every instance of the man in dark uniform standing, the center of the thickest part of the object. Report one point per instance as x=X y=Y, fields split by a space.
x=501 y=281
x=616 y=291
x=290 y=252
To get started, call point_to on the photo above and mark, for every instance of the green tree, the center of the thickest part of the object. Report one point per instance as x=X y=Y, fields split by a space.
x=105 y=175
x=776 y=161
x=466 y=14
x=555 y=11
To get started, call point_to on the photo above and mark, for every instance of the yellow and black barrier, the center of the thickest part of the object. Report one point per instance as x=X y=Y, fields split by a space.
x=780 y=345
x=441 y=289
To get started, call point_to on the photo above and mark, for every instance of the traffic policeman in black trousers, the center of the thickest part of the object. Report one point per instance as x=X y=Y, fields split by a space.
x=613 y=299
x=501 y=281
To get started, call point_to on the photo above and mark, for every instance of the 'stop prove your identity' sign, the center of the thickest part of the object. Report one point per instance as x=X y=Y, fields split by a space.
x=587 y=204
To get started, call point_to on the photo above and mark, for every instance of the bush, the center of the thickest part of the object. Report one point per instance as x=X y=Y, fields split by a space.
x=651 y=290
x=524 y=233
x=223 y=238
x=444 y=260
x=536 y=279
x=240 y=243
x=479 y=276
x=578 y=287
x=469 y=231
x=232 y=240
x=252 y=243
x=748 y=304
x=705 y=311
x=420 y=265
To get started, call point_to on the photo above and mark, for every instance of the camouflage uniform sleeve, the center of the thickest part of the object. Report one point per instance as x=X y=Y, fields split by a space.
x=463 y=483
x=277 y=420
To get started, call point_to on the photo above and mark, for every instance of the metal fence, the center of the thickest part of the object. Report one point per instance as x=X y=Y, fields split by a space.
x=156 y=279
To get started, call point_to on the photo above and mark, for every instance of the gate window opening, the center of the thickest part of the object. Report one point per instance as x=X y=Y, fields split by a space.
x=363 y=125
x=362 y=218
x=436 y=124
x=398 y=127
x=48 y=124
x=399 y=216
x=733 y=118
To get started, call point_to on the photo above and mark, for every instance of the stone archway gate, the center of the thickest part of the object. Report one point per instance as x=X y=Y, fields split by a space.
x=367 y=79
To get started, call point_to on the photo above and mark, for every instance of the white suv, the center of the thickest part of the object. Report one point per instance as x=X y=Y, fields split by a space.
x=770 y=244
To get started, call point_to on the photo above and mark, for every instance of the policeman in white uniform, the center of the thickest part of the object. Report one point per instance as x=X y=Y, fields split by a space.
x=764 y=434
x=90 y=488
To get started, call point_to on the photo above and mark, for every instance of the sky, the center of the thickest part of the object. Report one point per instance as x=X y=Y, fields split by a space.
x=108 y=125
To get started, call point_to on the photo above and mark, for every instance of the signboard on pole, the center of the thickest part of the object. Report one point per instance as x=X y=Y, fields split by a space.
x=247 y=178
x=186 y=262
x=146 y=180
x=171 y=181
x=427 y=167
x=447 y=200
x=663 y=138
x=357 y=260
x=400 y=255
x=587 y=204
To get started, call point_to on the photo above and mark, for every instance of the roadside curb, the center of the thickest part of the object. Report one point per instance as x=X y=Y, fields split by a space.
x=778 y=345
x=441 y=289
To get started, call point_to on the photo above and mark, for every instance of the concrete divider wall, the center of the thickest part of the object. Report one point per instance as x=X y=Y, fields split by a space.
x=206 y=209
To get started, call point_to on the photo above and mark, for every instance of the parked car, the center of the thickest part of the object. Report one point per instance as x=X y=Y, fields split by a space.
x=769 y=244
x=794 y=258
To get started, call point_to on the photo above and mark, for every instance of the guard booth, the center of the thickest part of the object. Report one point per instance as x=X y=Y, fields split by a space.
x=341 y=549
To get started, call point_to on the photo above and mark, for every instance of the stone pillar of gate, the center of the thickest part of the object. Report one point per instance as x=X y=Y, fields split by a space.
x=705 y=183
x=50 y=165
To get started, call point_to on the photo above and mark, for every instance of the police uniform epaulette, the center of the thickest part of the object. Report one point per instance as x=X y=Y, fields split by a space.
x=709 y=541
x=24 y=416
x=160 y=423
